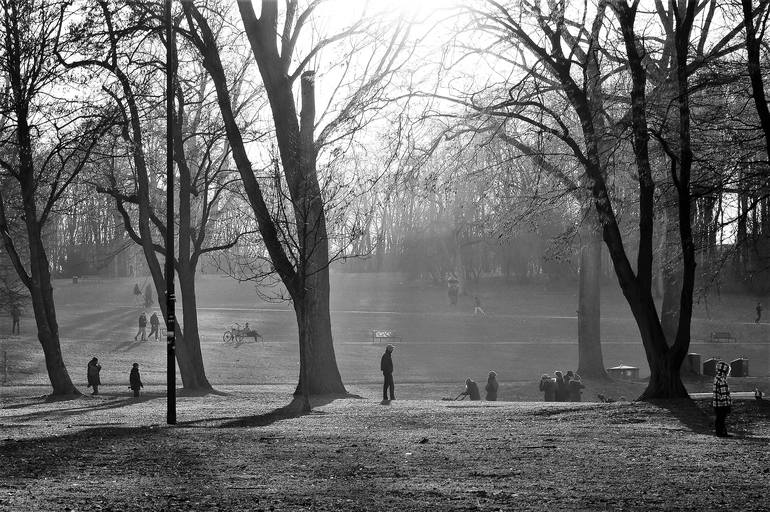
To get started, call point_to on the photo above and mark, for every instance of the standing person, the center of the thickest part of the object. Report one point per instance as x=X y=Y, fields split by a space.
x=471 y=390
x=142 y=326
x=548 y=387
x=491 y=387
x=154 y=325
x=722 y=401
x=453 y=289
x=575 y=388
x=134 y=380
x=477 y=306
x=15 y=316
x=759 y=313
x=561 y=387
x=386 y=365
x=92 y=373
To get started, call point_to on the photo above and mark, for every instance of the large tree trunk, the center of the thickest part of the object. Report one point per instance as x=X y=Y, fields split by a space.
x=590 y=359
x=45 y=316
x=188 y=346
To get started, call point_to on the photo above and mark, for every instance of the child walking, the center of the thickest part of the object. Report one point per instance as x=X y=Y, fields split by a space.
x=722 y=401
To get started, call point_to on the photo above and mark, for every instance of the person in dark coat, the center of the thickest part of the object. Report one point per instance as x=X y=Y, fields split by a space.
x=575 y=388
x=386 y=365
x=154 y=323
x=471 y=390
x=548 y=387
x=135 y=380
x=15 y=315
x=491 y=387
x=92 y=373
x=142 y=326
x=561 y=387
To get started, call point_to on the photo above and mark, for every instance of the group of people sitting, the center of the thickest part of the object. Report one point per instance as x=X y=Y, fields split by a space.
x=561 y=388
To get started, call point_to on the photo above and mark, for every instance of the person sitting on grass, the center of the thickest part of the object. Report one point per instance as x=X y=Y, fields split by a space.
x=758 y=394
x=249 y=332
x=548 y=387
x=471 y=390
x=491 y=387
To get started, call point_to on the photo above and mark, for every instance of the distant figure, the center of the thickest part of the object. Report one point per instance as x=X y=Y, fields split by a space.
x=386 y=365
x=759 y=313
x=15 y=316
x=142 y=326
x=154 y=323
x=491 y=387
x=92 y=373
x=453 y=289
x=722 y=401
x=134 y=380
x=471 y=390
x=561 y=387
x=548 y=387
x=477 y=306
x=575 y=388
x=248 y=331
x=758 y=394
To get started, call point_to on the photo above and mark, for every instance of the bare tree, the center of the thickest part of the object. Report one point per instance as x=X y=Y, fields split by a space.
x=46 y=142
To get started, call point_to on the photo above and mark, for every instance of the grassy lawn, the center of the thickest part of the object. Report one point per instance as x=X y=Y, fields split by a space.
x=529 y=330
x=240 y=449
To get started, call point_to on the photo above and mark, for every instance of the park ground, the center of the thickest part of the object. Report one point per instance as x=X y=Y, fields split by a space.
x=239 y=449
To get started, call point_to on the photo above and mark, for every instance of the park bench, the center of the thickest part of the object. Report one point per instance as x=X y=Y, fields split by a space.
x=719 y=336
x=378 y=336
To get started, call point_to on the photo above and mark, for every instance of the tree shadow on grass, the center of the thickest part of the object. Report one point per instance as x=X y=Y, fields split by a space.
x=293 y=409
x=96 y=406
x=688 y=413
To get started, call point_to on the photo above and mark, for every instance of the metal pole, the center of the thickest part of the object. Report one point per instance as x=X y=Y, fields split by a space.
x=170 y=299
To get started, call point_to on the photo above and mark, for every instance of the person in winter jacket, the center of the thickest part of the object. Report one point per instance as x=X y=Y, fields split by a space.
x=471 y=390
x=92 y=374
x=562 y=393
x=154 y=323
x=548 y=387
x=386 y=365
x=575 y=388
x=135 y=380
x=491 y=387
x=722 y=401
x=142 y=326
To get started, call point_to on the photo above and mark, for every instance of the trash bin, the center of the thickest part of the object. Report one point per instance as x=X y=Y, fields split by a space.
x=710 y=367
x=739 y=367
x=691 y=364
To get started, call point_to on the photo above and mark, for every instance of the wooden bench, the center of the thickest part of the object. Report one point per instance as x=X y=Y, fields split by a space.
x=719 y=336
x=384 y=336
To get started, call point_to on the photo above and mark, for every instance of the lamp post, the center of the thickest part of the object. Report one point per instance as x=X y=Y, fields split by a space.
x=170 y=299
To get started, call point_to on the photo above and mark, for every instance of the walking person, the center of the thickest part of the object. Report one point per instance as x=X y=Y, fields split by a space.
x=135 y=380
x=92 y=374
x=491 y=387
x=386 y=365
x=153 y=326
x=15 y=316
x=477 y=306
x=142 y=326
x=759 y=313
x=722 y=401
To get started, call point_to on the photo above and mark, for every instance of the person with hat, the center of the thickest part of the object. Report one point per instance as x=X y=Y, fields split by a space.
x=386 y=365
x=722 y=401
